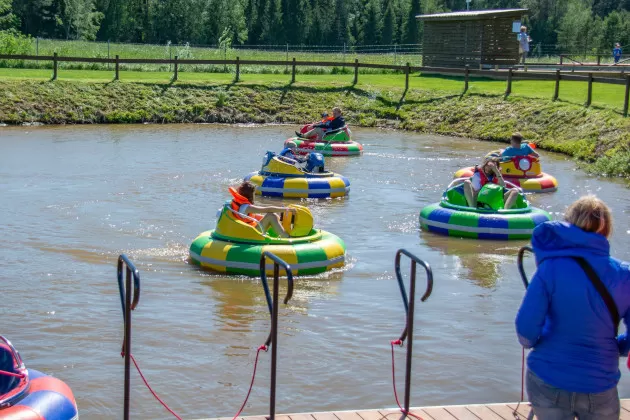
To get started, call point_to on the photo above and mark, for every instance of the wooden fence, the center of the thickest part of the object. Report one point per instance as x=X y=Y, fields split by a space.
x=510 y=74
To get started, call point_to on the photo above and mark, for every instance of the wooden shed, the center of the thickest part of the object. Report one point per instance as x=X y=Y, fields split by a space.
x=476 y=37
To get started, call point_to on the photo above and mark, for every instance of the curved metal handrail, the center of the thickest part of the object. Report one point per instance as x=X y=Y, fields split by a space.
x=519 y=263
x=406 y=301
x=409 y=304
x=128 y=305
x=16 y=355
x=272 y=304
x=131 y=270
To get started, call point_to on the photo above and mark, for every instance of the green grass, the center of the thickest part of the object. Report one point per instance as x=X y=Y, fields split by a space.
x=604 y=95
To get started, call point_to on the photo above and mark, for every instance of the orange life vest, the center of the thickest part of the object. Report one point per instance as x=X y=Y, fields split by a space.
x=239 y=200
x=328 y=119
x=484 y=178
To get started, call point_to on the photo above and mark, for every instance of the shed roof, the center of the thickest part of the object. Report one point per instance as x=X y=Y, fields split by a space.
x=474 y=14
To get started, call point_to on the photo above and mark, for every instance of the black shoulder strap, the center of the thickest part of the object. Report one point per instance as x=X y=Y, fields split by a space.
x=601 y=289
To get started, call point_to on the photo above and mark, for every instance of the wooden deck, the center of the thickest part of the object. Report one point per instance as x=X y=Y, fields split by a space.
x=451 y=412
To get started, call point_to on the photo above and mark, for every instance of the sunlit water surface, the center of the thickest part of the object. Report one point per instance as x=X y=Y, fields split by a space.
x=74 y=198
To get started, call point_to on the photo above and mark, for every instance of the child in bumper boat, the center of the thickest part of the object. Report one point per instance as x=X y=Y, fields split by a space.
x=488 y=173
x=517 y=148
x=328 y=124
x=243 y=203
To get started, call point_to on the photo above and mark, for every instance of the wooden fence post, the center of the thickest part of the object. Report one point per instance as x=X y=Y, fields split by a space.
x=293 y=71
x=356 y=71
x=589 y=92
x=54 y=66
x=508 y=88
x=599 y=59
x=117 y=68
x=625 y=101
x=466 y=77
x=176 y=68
x=407 y=71
x=238 y=69
x=561 y=59
x=556 y=91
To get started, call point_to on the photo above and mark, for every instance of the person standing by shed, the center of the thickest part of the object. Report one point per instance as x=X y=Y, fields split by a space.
x=523 y=41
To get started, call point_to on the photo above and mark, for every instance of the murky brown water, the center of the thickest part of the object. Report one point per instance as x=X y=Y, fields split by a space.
x=73 y=198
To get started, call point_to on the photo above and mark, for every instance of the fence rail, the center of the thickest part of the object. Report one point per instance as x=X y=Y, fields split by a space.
x=509 y=74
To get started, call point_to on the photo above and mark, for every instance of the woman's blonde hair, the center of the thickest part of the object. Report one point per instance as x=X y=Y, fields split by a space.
x=590 y=214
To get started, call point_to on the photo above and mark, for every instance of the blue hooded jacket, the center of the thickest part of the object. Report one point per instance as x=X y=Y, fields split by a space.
x=564 y=319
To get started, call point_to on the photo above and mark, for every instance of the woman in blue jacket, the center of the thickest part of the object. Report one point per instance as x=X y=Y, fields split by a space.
x=573 y=368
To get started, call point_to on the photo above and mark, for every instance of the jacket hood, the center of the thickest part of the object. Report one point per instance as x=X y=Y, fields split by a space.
x=562 y=239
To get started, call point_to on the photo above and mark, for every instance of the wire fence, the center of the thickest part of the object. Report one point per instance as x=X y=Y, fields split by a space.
x=393 y=55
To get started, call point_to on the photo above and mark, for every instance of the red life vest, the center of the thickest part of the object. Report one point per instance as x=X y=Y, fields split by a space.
x=484 y=178
x=239 y=200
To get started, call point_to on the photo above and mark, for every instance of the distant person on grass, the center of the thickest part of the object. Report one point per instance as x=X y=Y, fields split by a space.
x=320 y=129
x=617 y=53
x=523 y=42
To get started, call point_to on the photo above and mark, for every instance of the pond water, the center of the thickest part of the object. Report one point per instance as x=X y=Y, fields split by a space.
x=74 y=198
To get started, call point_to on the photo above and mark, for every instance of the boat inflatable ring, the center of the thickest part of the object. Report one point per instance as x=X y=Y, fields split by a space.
x=304 y=146
x=305 y=258
x=468 y=224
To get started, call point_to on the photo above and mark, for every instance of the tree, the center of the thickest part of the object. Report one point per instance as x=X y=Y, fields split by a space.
x=412 y=29
x=615 y=28
x=372 y=23
x=578 y=29
x=7 y=19
x=79 y=19
x=272 y=32
x=389 y=25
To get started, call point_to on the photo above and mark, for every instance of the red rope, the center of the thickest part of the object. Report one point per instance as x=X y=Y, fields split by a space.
x=402 y=410
x=251 y=384
x=16 y=375
x=515 y=412
x=151 y=389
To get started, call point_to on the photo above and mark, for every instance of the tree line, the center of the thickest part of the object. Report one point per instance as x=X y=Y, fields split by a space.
x=587 y=25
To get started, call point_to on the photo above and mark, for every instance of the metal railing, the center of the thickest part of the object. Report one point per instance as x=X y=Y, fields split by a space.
x=128 y=304
x=272 y=304
x=519 y=263
x=409 y=304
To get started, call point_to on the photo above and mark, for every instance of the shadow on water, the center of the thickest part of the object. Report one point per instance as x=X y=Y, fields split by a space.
x=240 y=299
x=481 y=259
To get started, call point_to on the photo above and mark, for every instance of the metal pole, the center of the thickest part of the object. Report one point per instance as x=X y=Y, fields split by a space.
x=108 y=53
x=407 y=71
x=356 y=71
x=412 y=300
x=344 y=55
x=175 y=75
x=117 y=67
x=293 y=71
x=287 y=60
x=37 y=46
x=274 y=342
x=238 y=69
x=127 y=343
x=395 y=58
x=170 y=56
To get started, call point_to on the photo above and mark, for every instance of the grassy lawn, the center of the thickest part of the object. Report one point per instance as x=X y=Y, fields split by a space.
x=604 y=95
